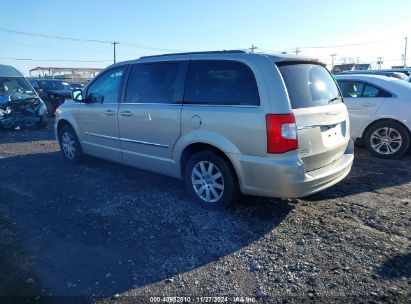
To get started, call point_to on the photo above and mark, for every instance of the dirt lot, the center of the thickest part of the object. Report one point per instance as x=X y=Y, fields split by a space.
x=108 y=232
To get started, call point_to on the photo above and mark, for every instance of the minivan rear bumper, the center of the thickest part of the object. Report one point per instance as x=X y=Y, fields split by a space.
x=284 y=175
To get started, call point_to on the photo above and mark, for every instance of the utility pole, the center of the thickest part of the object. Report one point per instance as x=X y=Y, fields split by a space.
x=252 y=48
x=114 y=45
x=405 y=52
x=297 y=50
x=332 y=60
x=379 y=62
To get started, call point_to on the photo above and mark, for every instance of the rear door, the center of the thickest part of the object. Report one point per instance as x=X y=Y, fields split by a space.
x=321 y=116
x=362 y=100
x=149 y=118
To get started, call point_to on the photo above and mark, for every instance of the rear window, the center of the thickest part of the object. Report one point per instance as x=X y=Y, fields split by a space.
x=222 y=82
x=309 y=85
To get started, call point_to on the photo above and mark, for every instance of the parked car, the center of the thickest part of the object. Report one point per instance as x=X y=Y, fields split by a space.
x=52 y=91
x=77 y=85
x=340 y=68
x=226 y=122
x=388 y=73
x=380 y=112
x=19 y=103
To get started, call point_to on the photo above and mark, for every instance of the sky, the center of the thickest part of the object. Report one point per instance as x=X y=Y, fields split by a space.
x=317 y=28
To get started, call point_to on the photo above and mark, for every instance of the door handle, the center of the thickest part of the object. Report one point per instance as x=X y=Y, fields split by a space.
x=110 y=112
x=126 y=113
x=367 y=105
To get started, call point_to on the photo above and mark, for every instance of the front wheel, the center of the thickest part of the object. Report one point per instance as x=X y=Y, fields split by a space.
x=69 y=144
x=387 y=139
x=211 y=181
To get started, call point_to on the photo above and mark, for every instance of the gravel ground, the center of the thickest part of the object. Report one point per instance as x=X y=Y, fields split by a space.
x=104 y=232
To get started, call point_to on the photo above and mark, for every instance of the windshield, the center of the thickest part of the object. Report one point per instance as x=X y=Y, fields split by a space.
x=309 y=85
x=54 y=85
x=16 y=87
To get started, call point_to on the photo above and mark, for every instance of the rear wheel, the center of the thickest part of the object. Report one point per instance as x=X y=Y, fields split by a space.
x=211 y=181
x=69 y=144
x=387 y=139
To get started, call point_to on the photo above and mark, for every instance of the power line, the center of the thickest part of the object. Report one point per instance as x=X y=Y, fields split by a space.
x=84 y=40
x=138 y=46
x=52 y=36
x=345 y=45
x=329 y=46
x=44 y=60
x=50 y=47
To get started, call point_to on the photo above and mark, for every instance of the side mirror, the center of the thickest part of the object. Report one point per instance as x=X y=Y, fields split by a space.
x=77 y=95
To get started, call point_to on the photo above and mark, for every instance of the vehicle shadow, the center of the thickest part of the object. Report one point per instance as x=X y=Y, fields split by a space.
x=101 y=228
x=396 y=267
x=369 y=174
x=15 y=262
x=25 y=134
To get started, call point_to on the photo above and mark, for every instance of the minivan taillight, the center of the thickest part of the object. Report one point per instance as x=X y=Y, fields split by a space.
x=281 y=133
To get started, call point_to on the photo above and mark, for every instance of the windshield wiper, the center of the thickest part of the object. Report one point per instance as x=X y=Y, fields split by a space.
x=332 y=100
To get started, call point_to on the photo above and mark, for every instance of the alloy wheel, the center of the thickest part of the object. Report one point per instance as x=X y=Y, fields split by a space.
x=207 y=181
x=386 y=140
x=68 y=145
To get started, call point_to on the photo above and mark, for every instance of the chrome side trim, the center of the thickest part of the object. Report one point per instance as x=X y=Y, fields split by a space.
x=144 y=143
x=187 y=104
x=127 y=140
x=150 y=103
x=102 y=136
x=218 y=105
x=148 y=156
x=100 y=146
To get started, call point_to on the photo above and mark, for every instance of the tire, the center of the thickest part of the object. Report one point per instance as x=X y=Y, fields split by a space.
x=392 y=146
x=211 y=191
x=69 y=144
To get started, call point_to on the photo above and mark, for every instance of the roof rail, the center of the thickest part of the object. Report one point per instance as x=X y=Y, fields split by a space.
x=192 y=53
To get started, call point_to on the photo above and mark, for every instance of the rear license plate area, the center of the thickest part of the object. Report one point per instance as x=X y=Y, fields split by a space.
x=333 y=135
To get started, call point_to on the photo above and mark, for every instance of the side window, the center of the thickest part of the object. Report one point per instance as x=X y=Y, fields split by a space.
x=371 y=91
x=152 y=82
x=220 y=82
x=34 y=84
x=351 y=88
x=106 y=88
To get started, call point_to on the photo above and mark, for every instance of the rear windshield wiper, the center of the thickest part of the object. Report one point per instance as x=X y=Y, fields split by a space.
x=332 y=100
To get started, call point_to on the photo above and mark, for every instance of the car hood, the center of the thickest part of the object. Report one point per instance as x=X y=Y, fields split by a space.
x=19 y=99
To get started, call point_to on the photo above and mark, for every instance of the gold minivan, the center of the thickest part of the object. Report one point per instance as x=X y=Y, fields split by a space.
x=226 y=122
